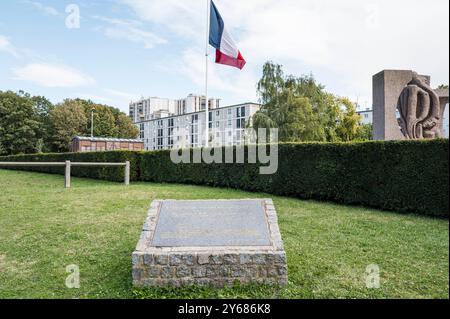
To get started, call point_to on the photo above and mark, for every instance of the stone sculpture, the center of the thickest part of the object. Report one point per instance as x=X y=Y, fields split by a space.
x=405 y=107
x=420 y=110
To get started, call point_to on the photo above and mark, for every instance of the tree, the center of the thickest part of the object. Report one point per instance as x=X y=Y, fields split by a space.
x=301 y=108
x=349 y=127
x=19 y=124
x=30 y=124
x=108 y=121
x=125 y=127
x=366 y=132
x=43 y=107
x=443 y=86
x=68 y=120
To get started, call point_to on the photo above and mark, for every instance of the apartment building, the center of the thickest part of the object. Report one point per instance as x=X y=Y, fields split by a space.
x=366 y=116
x=163 y=129
x=154 y=107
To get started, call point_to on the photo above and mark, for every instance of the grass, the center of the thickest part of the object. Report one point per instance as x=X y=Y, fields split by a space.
x=96 y=225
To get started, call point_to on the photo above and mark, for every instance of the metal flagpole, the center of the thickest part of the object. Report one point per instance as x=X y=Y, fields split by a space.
x=206 y=75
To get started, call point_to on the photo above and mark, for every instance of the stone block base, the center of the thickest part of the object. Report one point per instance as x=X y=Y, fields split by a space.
x=212 y=269
x=216 y=266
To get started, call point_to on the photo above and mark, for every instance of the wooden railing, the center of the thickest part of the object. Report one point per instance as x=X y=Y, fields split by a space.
x=68 y=165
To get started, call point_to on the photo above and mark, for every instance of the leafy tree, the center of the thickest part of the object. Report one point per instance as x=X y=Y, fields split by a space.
x=349 y=127
x=366 y=132
x=43 y=107
x=68 y=120
x=19 y=124
x=108 y=121
x=125 y=127
x=302 y=110
x=443 y=86
x=30 y=124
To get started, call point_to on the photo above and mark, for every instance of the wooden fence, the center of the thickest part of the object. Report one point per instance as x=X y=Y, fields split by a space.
x=68 y=165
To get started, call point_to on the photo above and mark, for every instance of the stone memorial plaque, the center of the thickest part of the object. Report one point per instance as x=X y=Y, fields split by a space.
x=211 y=223
x=213 y=242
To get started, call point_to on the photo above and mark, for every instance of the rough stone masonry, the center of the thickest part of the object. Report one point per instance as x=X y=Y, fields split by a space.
x=214 y=243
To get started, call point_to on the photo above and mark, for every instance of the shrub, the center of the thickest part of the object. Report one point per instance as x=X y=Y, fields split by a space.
x=404 y=176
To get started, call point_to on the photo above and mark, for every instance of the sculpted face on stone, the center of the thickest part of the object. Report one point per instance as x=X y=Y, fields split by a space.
x=420 y=110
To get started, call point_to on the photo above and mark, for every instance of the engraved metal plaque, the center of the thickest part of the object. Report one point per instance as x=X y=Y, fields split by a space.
x=211 y=223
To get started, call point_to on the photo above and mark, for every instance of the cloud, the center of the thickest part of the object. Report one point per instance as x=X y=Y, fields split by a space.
x=53 y=76
x=129 y=30
x=121 y=95
x=95 y=98
x=342 y=42
x=241 y=85
x=43 y=8
x=184 y=18
x=7 y=46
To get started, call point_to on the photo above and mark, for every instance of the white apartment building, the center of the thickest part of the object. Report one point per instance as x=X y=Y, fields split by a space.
x=155 y=107
x=181 y=123
x=366 y=115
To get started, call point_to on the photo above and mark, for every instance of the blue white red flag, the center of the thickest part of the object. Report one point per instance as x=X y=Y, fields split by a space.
x=226 y=50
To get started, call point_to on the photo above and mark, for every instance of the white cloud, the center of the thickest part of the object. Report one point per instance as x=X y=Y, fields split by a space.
x=185 y=18
x=121 y=95
x=95 y=98
x=49 y=75
x=7 y=46
x=129 y=30
x=241 y=85
x=345 y=42
x=43 y=8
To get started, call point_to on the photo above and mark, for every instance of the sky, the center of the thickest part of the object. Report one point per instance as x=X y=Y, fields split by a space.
x=121 y=50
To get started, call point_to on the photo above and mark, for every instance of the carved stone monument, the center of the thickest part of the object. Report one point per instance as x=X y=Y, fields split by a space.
x=406 y=107
x=214 y=242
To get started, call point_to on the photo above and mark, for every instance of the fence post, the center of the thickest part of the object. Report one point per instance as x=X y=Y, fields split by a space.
x=127 y=173
x=67 y=175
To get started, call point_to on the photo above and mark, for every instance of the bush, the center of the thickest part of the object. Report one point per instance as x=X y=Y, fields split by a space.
x=404 y=176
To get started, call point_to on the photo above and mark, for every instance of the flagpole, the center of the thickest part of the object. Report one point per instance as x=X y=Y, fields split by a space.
x=206 y=75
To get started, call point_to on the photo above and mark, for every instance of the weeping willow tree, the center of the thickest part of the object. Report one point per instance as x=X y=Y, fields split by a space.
x=302 y=110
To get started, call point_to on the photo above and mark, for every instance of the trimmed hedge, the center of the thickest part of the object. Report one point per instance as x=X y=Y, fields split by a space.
x=404 y=176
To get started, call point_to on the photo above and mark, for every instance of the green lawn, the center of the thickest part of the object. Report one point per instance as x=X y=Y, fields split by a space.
x=96 y=225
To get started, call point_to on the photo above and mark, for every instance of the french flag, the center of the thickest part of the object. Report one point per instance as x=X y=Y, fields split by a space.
x=226 y=50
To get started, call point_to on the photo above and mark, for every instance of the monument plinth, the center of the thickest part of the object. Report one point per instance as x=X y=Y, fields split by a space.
x=215 y=242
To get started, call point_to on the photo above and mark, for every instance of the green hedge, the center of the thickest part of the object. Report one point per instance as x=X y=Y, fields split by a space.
x=404 y=176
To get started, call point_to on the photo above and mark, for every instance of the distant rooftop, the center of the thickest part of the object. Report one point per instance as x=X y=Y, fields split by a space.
x=105 y=139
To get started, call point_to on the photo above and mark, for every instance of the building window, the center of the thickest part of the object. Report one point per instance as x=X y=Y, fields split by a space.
x=170 y=133
x=160 y=140
x=141 y=131
x=240 y=123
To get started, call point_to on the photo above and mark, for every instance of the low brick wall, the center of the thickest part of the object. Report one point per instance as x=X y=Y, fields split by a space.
x=219 y=269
